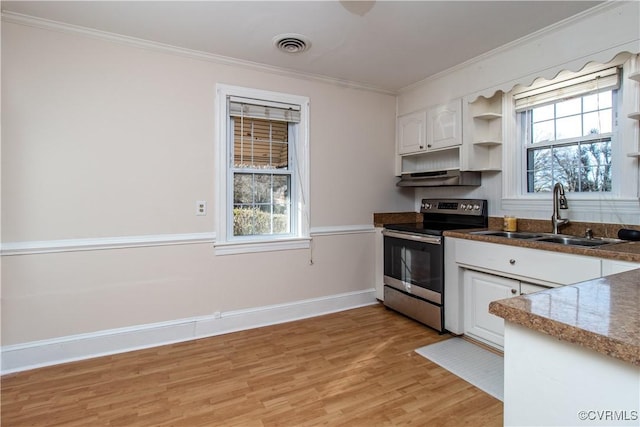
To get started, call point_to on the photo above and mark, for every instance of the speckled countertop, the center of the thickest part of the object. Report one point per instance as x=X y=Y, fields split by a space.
x=601 y=314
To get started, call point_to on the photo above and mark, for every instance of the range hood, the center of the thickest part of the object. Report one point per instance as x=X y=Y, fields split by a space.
x=439 y=179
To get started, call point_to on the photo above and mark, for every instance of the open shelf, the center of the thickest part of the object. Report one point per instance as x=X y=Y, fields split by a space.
x=636 y=154
x=634 y=115
x=487 y=143
x=635 y=76
x=488 y=116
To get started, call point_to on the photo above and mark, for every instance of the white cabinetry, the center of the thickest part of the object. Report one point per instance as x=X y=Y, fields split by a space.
x=489 y=272
x=531 y=265
x=430 y=140
x=444 y=125
x=411 y=133
x=479 y=290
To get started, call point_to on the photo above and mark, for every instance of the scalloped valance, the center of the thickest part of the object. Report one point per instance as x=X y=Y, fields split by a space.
x=609 y=57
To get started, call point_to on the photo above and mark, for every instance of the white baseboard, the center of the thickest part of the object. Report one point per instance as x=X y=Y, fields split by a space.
x=22 y=357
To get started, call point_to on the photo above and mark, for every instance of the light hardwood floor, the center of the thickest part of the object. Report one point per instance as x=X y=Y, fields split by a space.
x=353 y=368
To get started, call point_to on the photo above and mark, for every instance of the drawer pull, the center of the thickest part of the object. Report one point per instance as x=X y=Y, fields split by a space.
x=513 y=291
x=512 y=261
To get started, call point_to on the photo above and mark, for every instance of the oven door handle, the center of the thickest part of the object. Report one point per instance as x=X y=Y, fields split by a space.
x=433 y=240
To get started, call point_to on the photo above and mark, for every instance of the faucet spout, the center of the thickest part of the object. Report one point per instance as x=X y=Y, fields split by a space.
x=559 y=202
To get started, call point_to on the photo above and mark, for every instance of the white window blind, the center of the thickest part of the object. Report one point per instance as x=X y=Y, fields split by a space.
x=267 y=110
x=601 y=80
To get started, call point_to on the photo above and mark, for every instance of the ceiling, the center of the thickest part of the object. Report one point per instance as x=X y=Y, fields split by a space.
x=386 y=45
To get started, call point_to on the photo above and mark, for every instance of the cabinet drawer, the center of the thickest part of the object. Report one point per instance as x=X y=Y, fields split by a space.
x=553 y=267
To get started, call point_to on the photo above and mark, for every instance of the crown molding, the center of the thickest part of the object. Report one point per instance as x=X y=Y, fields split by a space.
x=47 y=24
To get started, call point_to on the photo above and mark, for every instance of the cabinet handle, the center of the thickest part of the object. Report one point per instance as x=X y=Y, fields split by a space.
x=512 y=261
x=513 y=291
x=428 y=145
x=421 y=147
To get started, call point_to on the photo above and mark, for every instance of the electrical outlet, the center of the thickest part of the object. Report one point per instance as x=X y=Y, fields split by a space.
x=201 y=207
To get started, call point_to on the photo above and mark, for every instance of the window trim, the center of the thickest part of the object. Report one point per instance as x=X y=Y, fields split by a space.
x=621 y=201
x=299 y=238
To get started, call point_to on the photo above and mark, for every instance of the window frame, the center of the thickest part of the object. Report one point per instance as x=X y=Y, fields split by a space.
x=298 y=238
x=623 y=198
x=525 y=135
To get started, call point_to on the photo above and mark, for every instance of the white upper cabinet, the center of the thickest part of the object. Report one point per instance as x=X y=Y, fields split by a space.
x=411 y=133
x=444 y=125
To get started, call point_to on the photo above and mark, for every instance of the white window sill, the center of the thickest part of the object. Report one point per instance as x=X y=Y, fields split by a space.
x=231 y=248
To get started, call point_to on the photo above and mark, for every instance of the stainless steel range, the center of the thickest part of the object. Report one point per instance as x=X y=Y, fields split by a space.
x=414 y=257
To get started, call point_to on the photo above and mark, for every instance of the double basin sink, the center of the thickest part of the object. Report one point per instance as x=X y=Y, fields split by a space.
x=549 y=238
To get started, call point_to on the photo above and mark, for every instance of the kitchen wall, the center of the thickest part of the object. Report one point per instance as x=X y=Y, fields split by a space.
x=103 y=139
x=594 y=36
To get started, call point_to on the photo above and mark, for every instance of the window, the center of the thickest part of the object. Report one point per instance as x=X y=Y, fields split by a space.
x=263 y=174
x=567 y=133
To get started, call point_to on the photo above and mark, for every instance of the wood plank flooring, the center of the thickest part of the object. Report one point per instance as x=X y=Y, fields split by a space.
x=353 y=368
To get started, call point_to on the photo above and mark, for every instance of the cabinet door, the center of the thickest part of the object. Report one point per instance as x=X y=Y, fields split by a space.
x=444 y=125
x=411 y=133
x=479 y=290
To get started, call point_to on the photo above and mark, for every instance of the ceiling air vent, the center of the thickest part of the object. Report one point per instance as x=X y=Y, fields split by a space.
x=291 y=43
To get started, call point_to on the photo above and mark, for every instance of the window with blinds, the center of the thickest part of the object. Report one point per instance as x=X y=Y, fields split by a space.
x=262 y=166
x=567 y=131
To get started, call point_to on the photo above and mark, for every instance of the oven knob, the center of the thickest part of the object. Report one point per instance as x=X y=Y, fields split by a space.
x=463 y=206
x=427 y=206
x=476 y=207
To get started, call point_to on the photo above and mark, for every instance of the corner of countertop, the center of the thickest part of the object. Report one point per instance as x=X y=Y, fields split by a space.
x=382 y=218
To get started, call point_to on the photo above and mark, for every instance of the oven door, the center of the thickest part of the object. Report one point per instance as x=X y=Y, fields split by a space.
x=413 y=263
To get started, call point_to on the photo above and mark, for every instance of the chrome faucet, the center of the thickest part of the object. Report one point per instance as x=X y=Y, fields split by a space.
x=559 y=202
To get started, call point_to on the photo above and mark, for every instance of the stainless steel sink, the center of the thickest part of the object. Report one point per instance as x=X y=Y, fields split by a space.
x=548 y=238
x=574 y=241
x=508 y=234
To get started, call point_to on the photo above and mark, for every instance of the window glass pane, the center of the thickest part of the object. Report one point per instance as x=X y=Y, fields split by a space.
x=597 y=122
x=543 y=131
x=565 y=166
x=543 y=113
x=259 y=143
x=263 y=188
x=597 y=101
x=281 y=223
x=243 y=220
x=261 y=204
x=539 y=170
x=569 y=107
x=281 y=188
x=242 y=188
x=568 y=127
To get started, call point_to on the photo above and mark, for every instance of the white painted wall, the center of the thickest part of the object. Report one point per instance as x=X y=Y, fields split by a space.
x=102 y=139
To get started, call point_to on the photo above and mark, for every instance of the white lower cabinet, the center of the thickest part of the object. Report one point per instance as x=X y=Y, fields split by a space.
x=479 y=290
x=489 y=272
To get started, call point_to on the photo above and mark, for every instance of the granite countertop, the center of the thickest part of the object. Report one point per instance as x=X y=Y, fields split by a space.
x=600 y=314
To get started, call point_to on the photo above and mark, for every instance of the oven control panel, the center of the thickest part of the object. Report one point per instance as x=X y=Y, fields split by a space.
x=454 y=206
